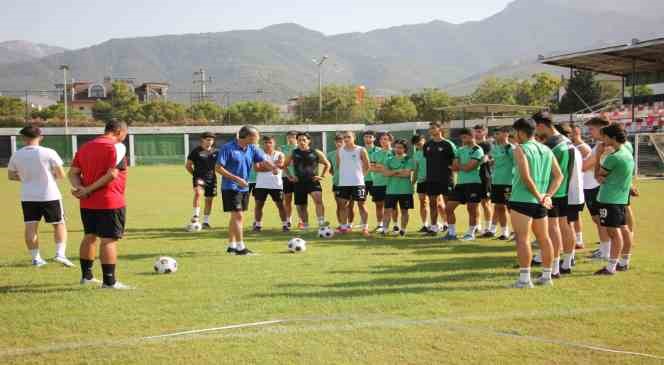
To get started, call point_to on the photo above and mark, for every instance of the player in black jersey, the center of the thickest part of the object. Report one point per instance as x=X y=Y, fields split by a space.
x=306 y=178
x=200 y=164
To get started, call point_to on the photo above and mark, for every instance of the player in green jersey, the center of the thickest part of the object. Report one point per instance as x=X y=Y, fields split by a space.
x=399 y=170
x=502 y=157
x=378 y=160
x=537 y=177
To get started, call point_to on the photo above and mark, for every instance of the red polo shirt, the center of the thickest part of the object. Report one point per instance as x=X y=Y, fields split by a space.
x=94 y=159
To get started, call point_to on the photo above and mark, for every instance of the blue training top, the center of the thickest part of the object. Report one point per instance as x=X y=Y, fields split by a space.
x=238 y=161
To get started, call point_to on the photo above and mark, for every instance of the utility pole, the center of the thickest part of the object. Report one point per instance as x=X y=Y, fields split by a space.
x=202 y=81
x=320 y=85
x=64 y=69
x=27 y=108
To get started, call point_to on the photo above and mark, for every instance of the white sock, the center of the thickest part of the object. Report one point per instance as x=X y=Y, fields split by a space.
x=611 y=266
x=434 y=228
x=321 y=221
x=492 y=228
x=233 y=245
x=567 y=260
x=241 y=246
x=546 y=273
x=451 y=229
x=624 y=260
x=60 y=248
x=605 y=248
x=473 y=229
x=556 y=265
x=579 y=238
x=206 y=219
x=34 y=252
x=197 y=212
x=487 y=225
x=285 y=223
x=506 y=231
x=258 y=224
x=524 y=274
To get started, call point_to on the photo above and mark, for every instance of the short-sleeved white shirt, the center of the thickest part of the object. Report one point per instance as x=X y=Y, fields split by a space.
x=34 y=165
x=268 y=180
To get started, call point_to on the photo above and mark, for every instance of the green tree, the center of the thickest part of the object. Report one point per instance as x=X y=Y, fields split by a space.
x=545 y=87
x=609 y=90
x=57 y=111
x=398 y=109
x=641 y=90
x=258 y=112
x=124 y=105
x=427 y=101
x=160 y=112
x=493 y=90
x=582 y=89
x=339 y=104
x=102 y=111
x=207 y=111
x=11 y=108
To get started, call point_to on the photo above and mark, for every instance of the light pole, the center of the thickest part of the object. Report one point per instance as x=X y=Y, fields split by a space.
x=320 y=84
x=64 y=69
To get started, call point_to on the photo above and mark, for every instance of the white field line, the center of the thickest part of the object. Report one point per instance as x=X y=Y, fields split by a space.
x=350 y=323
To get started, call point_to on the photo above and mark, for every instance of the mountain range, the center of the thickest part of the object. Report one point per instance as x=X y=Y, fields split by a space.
x=278 y=58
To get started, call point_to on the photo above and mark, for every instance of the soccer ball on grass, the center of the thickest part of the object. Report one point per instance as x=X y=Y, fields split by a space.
x=165 y=265
x=297 y=245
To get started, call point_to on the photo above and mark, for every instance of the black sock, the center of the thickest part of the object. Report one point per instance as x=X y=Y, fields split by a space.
x=86 y=269
x=109 y=273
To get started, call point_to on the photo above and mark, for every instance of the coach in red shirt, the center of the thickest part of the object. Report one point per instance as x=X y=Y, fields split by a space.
x=98 y=176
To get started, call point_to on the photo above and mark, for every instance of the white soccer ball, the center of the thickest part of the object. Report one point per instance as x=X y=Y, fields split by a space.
x=165 y=265
x=194 y=227
x=325 y=232
x=297 y=245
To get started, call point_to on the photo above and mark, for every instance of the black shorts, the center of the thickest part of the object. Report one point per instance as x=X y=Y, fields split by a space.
x=336 y=190
x=560 y=208
x=261 y=194
x=573 y=211
x=468 y=193
x=209 y=184
x=405 y=201
x=104 y=223
x=435 y=188
x=235 y=201
x=591 y=201
x=52 y=212
x=500 y=194
x=378 y=194
x=421 y=188
x=532 y=210
x=303 y=189
x=354 y=193
x=289 y=186
x=612 y=215
x=252 y=186
x=486 y=184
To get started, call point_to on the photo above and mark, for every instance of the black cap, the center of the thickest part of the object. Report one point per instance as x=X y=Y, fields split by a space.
x=31 y=132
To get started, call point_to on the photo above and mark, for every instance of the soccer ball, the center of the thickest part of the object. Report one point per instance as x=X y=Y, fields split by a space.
x=325 y=232
x=297 y=245
x=165 y=265
x=194 y=227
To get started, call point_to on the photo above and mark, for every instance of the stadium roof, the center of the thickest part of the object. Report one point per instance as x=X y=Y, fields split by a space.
x=621 y=60
x=491 y=108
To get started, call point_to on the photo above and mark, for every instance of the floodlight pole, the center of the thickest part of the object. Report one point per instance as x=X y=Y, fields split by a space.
x=633 y=90
x=64 y=69
x=320 y=85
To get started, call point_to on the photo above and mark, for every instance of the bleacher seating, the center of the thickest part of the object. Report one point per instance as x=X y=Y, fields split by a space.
x=649 y=117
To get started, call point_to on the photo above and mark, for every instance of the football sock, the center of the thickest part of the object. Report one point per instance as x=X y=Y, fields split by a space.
x=285 y=223
x=434 y=228
x=556 y=265
x=567 y=261
x=492 y=228
x=241 y=246
x=451 y=229
x=34 y=252
x=206 y=219
x=86 y=269
x=258 y=224
x=579 y=238
x=233 y=245
x=321 y=221
x=605 y=248
x=506 y=231
x=546 y=273
x=109 y=273
x=524 y=274
x=197 y=212
x=60 y=248
x=611 y=266
x=624 y=260
x=487 y=225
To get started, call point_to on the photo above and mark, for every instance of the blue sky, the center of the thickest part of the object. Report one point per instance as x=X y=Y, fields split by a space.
x=81 y=23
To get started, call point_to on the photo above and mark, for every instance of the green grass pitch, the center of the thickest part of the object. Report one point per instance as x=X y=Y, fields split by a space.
x=348 y=300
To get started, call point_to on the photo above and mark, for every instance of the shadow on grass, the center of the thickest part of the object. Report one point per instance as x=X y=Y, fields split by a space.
x=38 y=288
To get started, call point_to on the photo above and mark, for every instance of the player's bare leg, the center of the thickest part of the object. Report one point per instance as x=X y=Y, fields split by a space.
x=541 y=231
x=31 y=235
x=450 y=207
x=442 y=216
x=364 y=216
x=487 y=214
x=380 y=210
x=557 y=242
x=288 y=207
x=60 y=237
x=473 y=220
x=617 y=241
x=569 y=243
x=207 y=211
x=424 y=211
x=198 y=193
x=258 y=215
x=282 y=214
x=521 y=225
x=343 y=211
x=87 y=253
x=626 y=252
x=317 y=197
x=405 y=216
x=395 y=219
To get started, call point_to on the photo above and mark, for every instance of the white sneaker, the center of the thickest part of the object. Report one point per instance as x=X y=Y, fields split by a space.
x=92 y=281
x=523 y=285
x=64 y=261
x=118 y=286
x=38 y=262
x=468 y=237
x=541 y=281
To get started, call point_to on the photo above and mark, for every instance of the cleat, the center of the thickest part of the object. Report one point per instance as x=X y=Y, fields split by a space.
x=565 y=271
x=301 y=225
x=402 y=233
x=207 y=226
x=342 y=230
x=285 y=229
x=396 y=229
x=117 y=286
x=431 y=233
x=290 y=225
x=468 y=237
x=541 y=281
x=442 y=228
x=245 y=252
x=521 y=285
x=502 y=237
x=604 y=271
x=38 y=262
x=622 y=267
x=580 y=246
x=231 y=251
x=92 y=281
x=256 y=228
x=488 y=234
x=424 y=229
x=64 y=261
x=195 y=219
x=555 y=276
x=450 y=237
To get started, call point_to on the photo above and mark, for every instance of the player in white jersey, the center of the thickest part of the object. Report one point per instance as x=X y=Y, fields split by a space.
x=270 y=183
x=353 y=165
x=37 y=168
x=588 y=177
